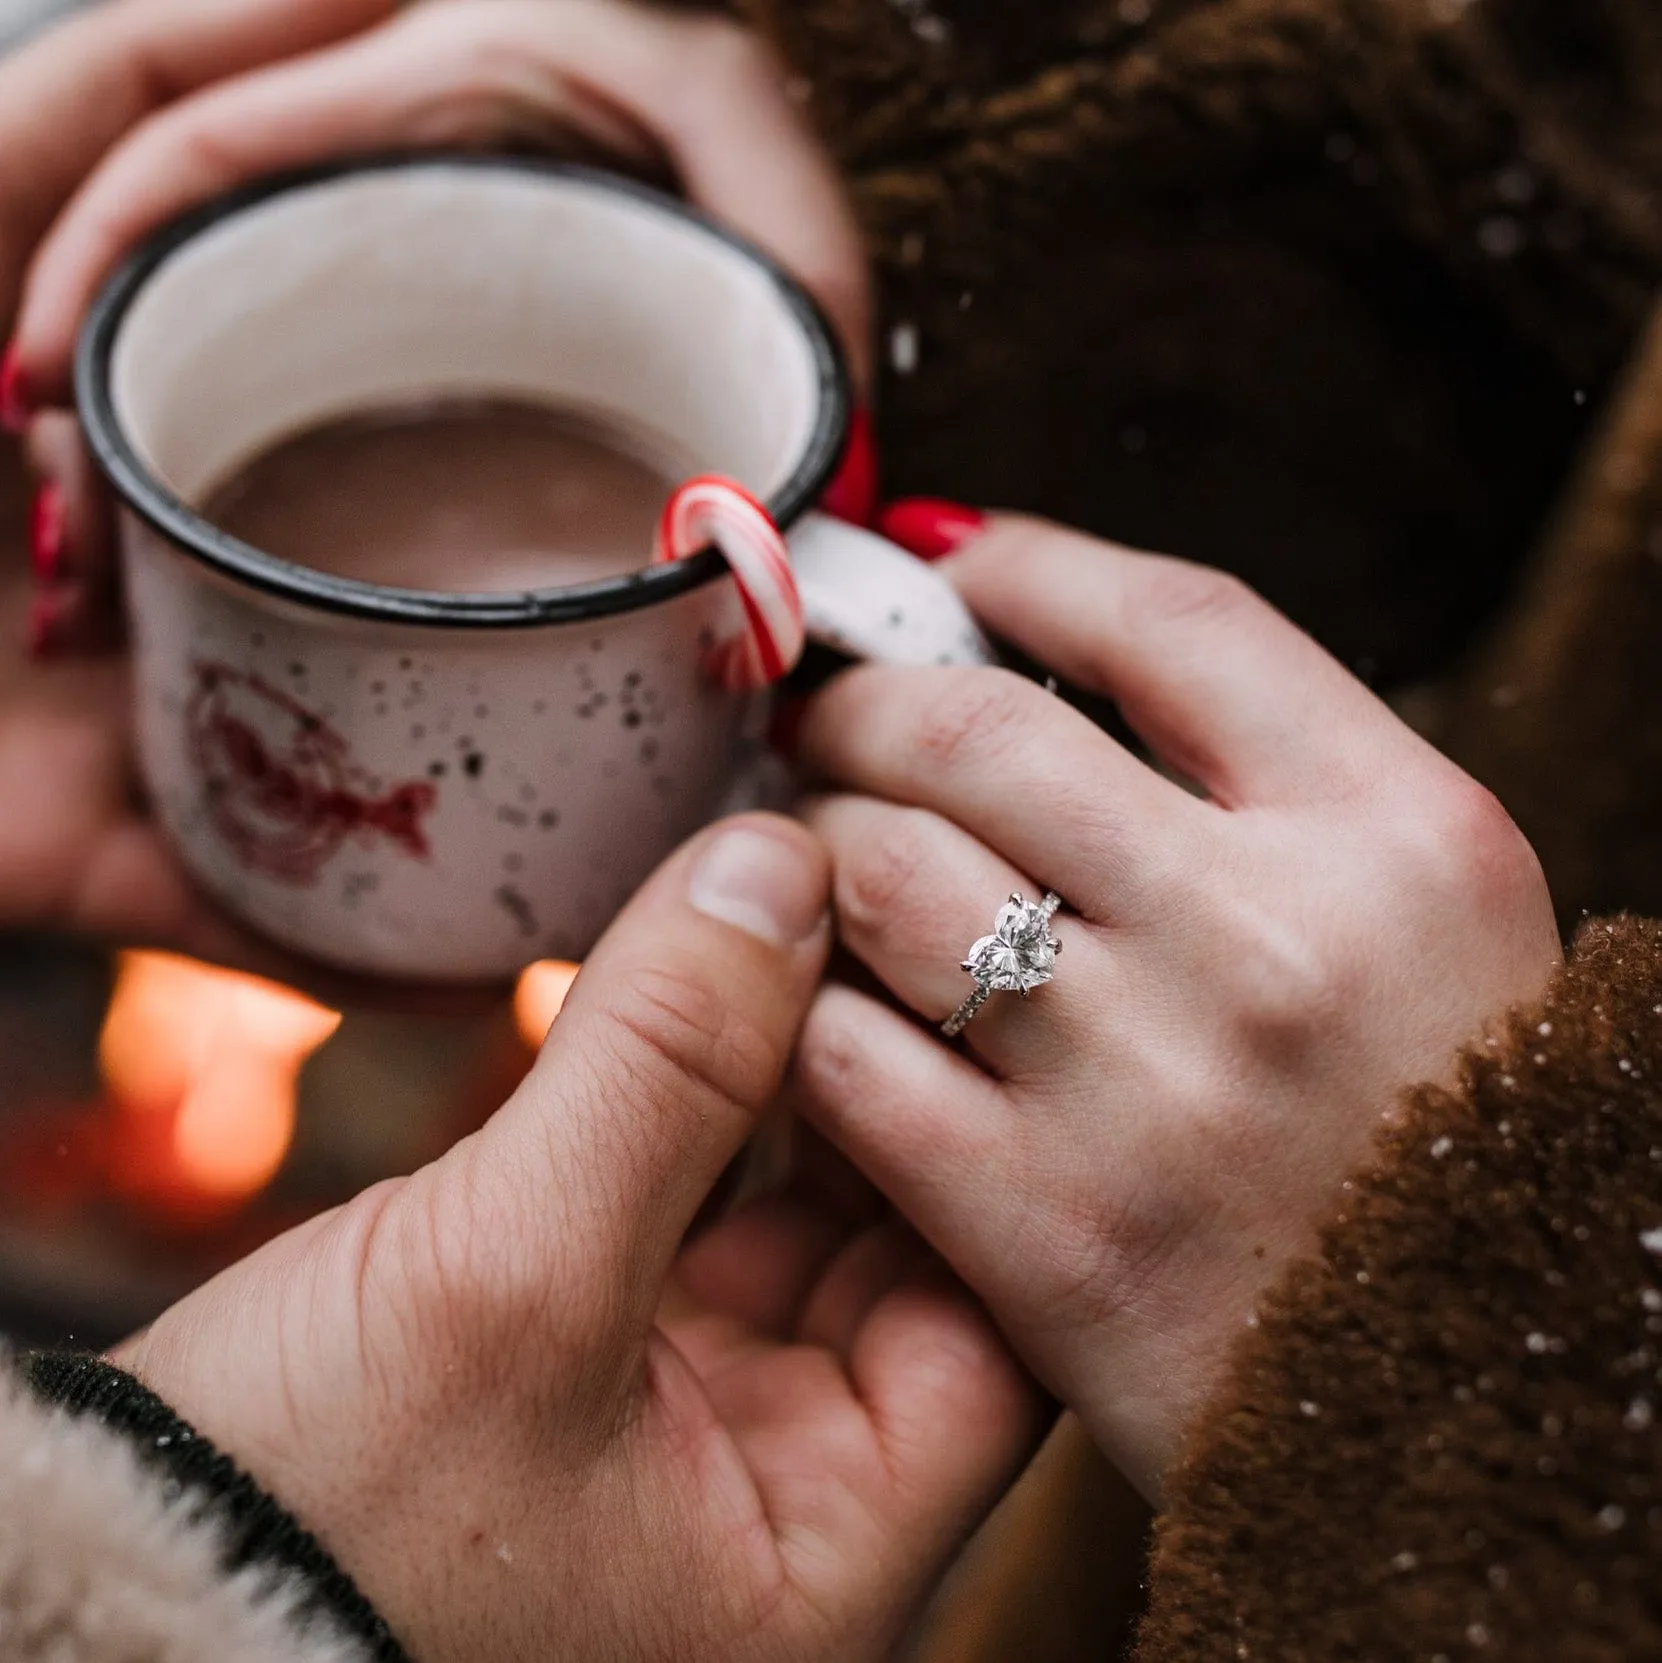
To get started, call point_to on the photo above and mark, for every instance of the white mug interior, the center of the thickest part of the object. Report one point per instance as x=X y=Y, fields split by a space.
x=556 y=287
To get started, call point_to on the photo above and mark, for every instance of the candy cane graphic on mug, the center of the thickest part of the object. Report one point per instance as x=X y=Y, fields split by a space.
x=712 y=510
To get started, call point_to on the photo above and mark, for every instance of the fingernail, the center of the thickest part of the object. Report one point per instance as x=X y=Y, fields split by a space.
x=770 y=888
x=929 y=527
x=852 y=495
x=14 y=395
x=46 y=534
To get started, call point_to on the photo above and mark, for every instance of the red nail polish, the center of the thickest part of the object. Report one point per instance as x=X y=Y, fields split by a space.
x=46 y=534
x=929 y=527
x=852 y=495
x=14 y=395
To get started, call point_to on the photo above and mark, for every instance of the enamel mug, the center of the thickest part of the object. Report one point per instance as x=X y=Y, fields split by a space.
x=446 y=786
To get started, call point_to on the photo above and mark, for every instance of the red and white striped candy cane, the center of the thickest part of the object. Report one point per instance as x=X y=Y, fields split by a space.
x=710 y=509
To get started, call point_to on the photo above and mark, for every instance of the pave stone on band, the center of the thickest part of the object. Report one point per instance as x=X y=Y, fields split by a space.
x=1017 y=957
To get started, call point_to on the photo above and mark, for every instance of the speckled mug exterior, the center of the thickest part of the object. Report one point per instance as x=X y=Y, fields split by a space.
x=447 y=786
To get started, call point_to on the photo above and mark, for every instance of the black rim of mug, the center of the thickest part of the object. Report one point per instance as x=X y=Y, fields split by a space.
x=154 y=503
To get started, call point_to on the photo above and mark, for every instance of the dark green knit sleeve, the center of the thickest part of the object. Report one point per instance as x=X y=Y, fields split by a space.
x=1443 y=1440
x=257 y=1530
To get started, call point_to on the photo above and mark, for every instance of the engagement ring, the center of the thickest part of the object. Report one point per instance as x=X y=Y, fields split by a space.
x=1017 y=957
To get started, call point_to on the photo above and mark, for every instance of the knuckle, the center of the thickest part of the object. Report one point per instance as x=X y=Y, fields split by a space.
x=1288 y=985
x=1497 y=852
x=200 y=144
x=678 y=1033
x=475 y=90
x=1284 y=978
x=973 y=714
x=725 y=49
x=1177 y=594
x=1468 y=844
x=834 y=1066
x=876 y=876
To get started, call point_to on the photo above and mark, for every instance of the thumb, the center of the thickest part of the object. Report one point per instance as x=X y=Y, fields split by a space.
x=673 y=1042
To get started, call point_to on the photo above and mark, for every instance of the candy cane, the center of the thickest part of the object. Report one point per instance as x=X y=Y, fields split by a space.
x=710 y=509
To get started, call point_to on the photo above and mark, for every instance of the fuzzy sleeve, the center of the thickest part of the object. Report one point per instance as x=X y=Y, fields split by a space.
x=1443 y=1439
x=109 y=1553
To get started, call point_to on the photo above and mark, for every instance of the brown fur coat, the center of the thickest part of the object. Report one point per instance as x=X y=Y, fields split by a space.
x=1347 y=296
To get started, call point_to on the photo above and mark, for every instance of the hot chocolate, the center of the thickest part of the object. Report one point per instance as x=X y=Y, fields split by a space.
x=479 y=496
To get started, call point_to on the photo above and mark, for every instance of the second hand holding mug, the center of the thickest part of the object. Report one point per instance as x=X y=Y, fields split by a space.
x=446 y=786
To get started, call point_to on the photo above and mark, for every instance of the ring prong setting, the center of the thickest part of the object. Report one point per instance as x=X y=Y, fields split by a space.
x=1017 y=957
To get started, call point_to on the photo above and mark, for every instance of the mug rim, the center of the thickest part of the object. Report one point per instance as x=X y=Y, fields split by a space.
x=141 y=491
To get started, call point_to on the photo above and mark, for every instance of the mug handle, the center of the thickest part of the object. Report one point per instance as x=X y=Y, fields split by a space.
x=867 y=599
x=864 y=597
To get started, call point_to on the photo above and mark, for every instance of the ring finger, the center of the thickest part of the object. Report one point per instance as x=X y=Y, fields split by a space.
x=913 y=892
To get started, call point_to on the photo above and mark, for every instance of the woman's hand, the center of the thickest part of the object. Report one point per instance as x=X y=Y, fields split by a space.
x=530 y=1422
x=687 y=96
x=138 y=108
x=1250 y=975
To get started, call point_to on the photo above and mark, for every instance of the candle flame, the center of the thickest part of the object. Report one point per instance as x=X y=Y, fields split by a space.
x=203 y=1068
x=539 y=997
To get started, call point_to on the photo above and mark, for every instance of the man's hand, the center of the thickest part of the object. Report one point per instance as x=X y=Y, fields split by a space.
x=530 y=1423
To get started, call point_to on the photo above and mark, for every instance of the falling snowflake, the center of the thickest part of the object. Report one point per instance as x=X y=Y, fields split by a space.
x=930 y=28
x=903 y=348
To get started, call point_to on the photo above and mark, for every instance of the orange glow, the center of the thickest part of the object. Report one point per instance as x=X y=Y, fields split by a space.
x=203 y=1067
x=539 y=997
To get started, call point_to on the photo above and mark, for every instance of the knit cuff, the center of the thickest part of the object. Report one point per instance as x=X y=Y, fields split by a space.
x=257 y=1533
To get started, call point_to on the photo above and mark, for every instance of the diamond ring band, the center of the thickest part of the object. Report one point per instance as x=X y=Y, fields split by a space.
x=1017 y=957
